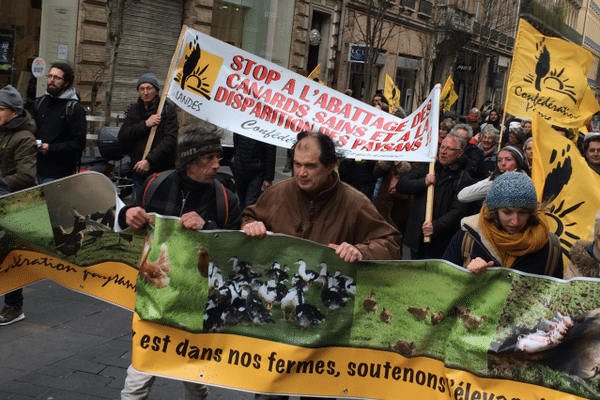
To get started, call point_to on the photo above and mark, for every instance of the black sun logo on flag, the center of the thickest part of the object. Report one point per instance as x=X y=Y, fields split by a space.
x=560 y=211
x=198 y=70
x=545 y=78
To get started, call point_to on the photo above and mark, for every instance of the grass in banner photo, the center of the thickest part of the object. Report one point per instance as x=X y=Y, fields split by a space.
x=67 y=219
x=437 y=310
x=24 y=216
x=549 y=335
x=276 y=288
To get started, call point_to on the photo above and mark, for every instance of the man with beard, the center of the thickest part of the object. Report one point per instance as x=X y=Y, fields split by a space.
x=141 y=117
x=61 y=126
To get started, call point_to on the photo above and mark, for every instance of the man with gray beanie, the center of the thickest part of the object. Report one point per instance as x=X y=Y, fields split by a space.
x=18 y=167
x=141 y=116
x=193 y=193
x=61 y=125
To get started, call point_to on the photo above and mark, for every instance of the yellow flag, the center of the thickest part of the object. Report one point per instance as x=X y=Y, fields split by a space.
x=391 y=92
x=548 y=77
x=448 y=96
x=560 y=173
x=315 y=74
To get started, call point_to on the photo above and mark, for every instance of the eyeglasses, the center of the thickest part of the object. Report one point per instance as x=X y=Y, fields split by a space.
x=146 y=89
x=444 y=148
x=55 y=78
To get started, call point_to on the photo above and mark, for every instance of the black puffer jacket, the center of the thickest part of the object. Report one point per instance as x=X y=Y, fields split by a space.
x=253 y=157
x=134 y=135
x=447 y=210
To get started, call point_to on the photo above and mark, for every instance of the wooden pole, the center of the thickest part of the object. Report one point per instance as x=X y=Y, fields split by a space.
x=166 y=88
x=429 y=207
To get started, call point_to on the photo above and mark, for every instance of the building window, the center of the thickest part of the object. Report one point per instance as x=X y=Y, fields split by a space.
x=261 y=27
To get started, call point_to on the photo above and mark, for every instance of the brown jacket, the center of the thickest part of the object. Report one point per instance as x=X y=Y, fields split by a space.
x=18 y=152
x=582 y=263
x=338 y=214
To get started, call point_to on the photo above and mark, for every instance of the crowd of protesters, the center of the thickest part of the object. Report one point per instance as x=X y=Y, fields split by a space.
x=485 y=209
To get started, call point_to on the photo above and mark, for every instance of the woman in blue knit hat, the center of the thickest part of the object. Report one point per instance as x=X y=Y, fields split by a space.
x=510 y=231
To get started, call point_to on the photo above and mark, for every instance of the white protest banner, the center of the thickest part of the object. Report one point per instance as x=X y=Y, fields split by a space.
x=246 y=94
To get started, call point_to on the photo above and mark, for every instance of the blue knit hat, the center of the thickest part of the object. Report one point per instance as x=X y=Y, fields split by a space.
x=511 y=189
x=148 y=78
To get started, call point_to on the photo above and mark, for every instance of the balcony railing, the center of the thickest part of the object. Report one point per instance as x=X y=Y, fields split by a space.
x=548 y=22
x=452 y=18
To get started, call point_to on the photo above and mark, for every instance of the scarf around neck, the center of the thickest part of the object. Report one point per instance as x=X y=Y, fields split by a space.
x=511 y=247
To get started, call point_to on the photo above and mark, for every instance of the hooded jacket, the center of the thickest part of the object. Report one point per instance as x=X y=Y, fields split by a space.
x=18 y=152
x=63 y=129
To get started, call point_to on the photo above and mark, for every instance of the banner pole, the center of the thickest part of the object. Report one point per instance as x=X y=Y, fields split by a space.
x=429 y=206
x=166 y=88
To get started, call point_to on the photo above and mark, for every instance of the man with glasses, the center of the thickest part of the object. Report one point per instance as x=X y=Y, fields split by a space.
x=61 y=126
x=449 y=178
x=140 y=118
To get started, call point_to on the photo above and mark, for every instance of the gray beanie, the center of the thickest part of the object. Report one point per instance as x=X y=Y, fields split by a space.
x=511 y=189
x=148 y=78
x=11 y=98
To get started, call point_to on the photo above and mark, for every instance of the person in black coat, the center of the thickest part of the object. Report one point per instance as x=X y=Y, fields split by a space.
x=253 y=168
x=449 y=178
x=140 y=118
x=189 y=193
x=60 y=126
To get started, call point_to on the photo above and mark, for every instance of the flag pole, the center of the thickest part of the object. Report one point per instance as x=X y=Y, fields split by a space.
x=429 y=206
x=166 y=88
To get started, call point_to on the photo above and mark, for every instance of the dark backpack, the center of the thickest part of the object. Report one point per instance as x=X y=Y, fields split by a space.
x=220 y=193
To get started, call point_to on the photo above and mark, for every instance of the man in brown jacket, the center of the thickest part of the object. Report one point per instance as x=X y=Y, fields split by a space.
x=316 y=205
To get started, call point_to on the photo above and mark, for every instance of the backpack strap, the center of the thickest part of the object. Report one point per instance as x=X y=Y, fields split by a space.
x=153 y=184
x=222 y=204
x=554 y=252
x=220 y=193
x=466 y=248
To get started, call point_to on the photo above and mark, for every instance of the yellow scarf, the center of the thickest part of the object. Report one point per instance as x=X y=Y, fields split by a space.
x=510 y=247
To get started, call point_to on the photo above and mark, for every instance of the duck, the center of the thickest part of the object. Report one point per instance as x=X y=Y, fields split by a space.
x=277 y=272
x=471 y=321
x=156 y=272
x=332 y=297
x=306 y=314
x=291 y=300
x=213 y=315
x=272 y=292
x=215 y=277
x=256 y=311
x=308 y=275
x=403 y=347
x=370 y=304
x=203 y=261
x=346 y=282
x=385 y=316
x=437 y=317
x=420 y=313
x=323 y=274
